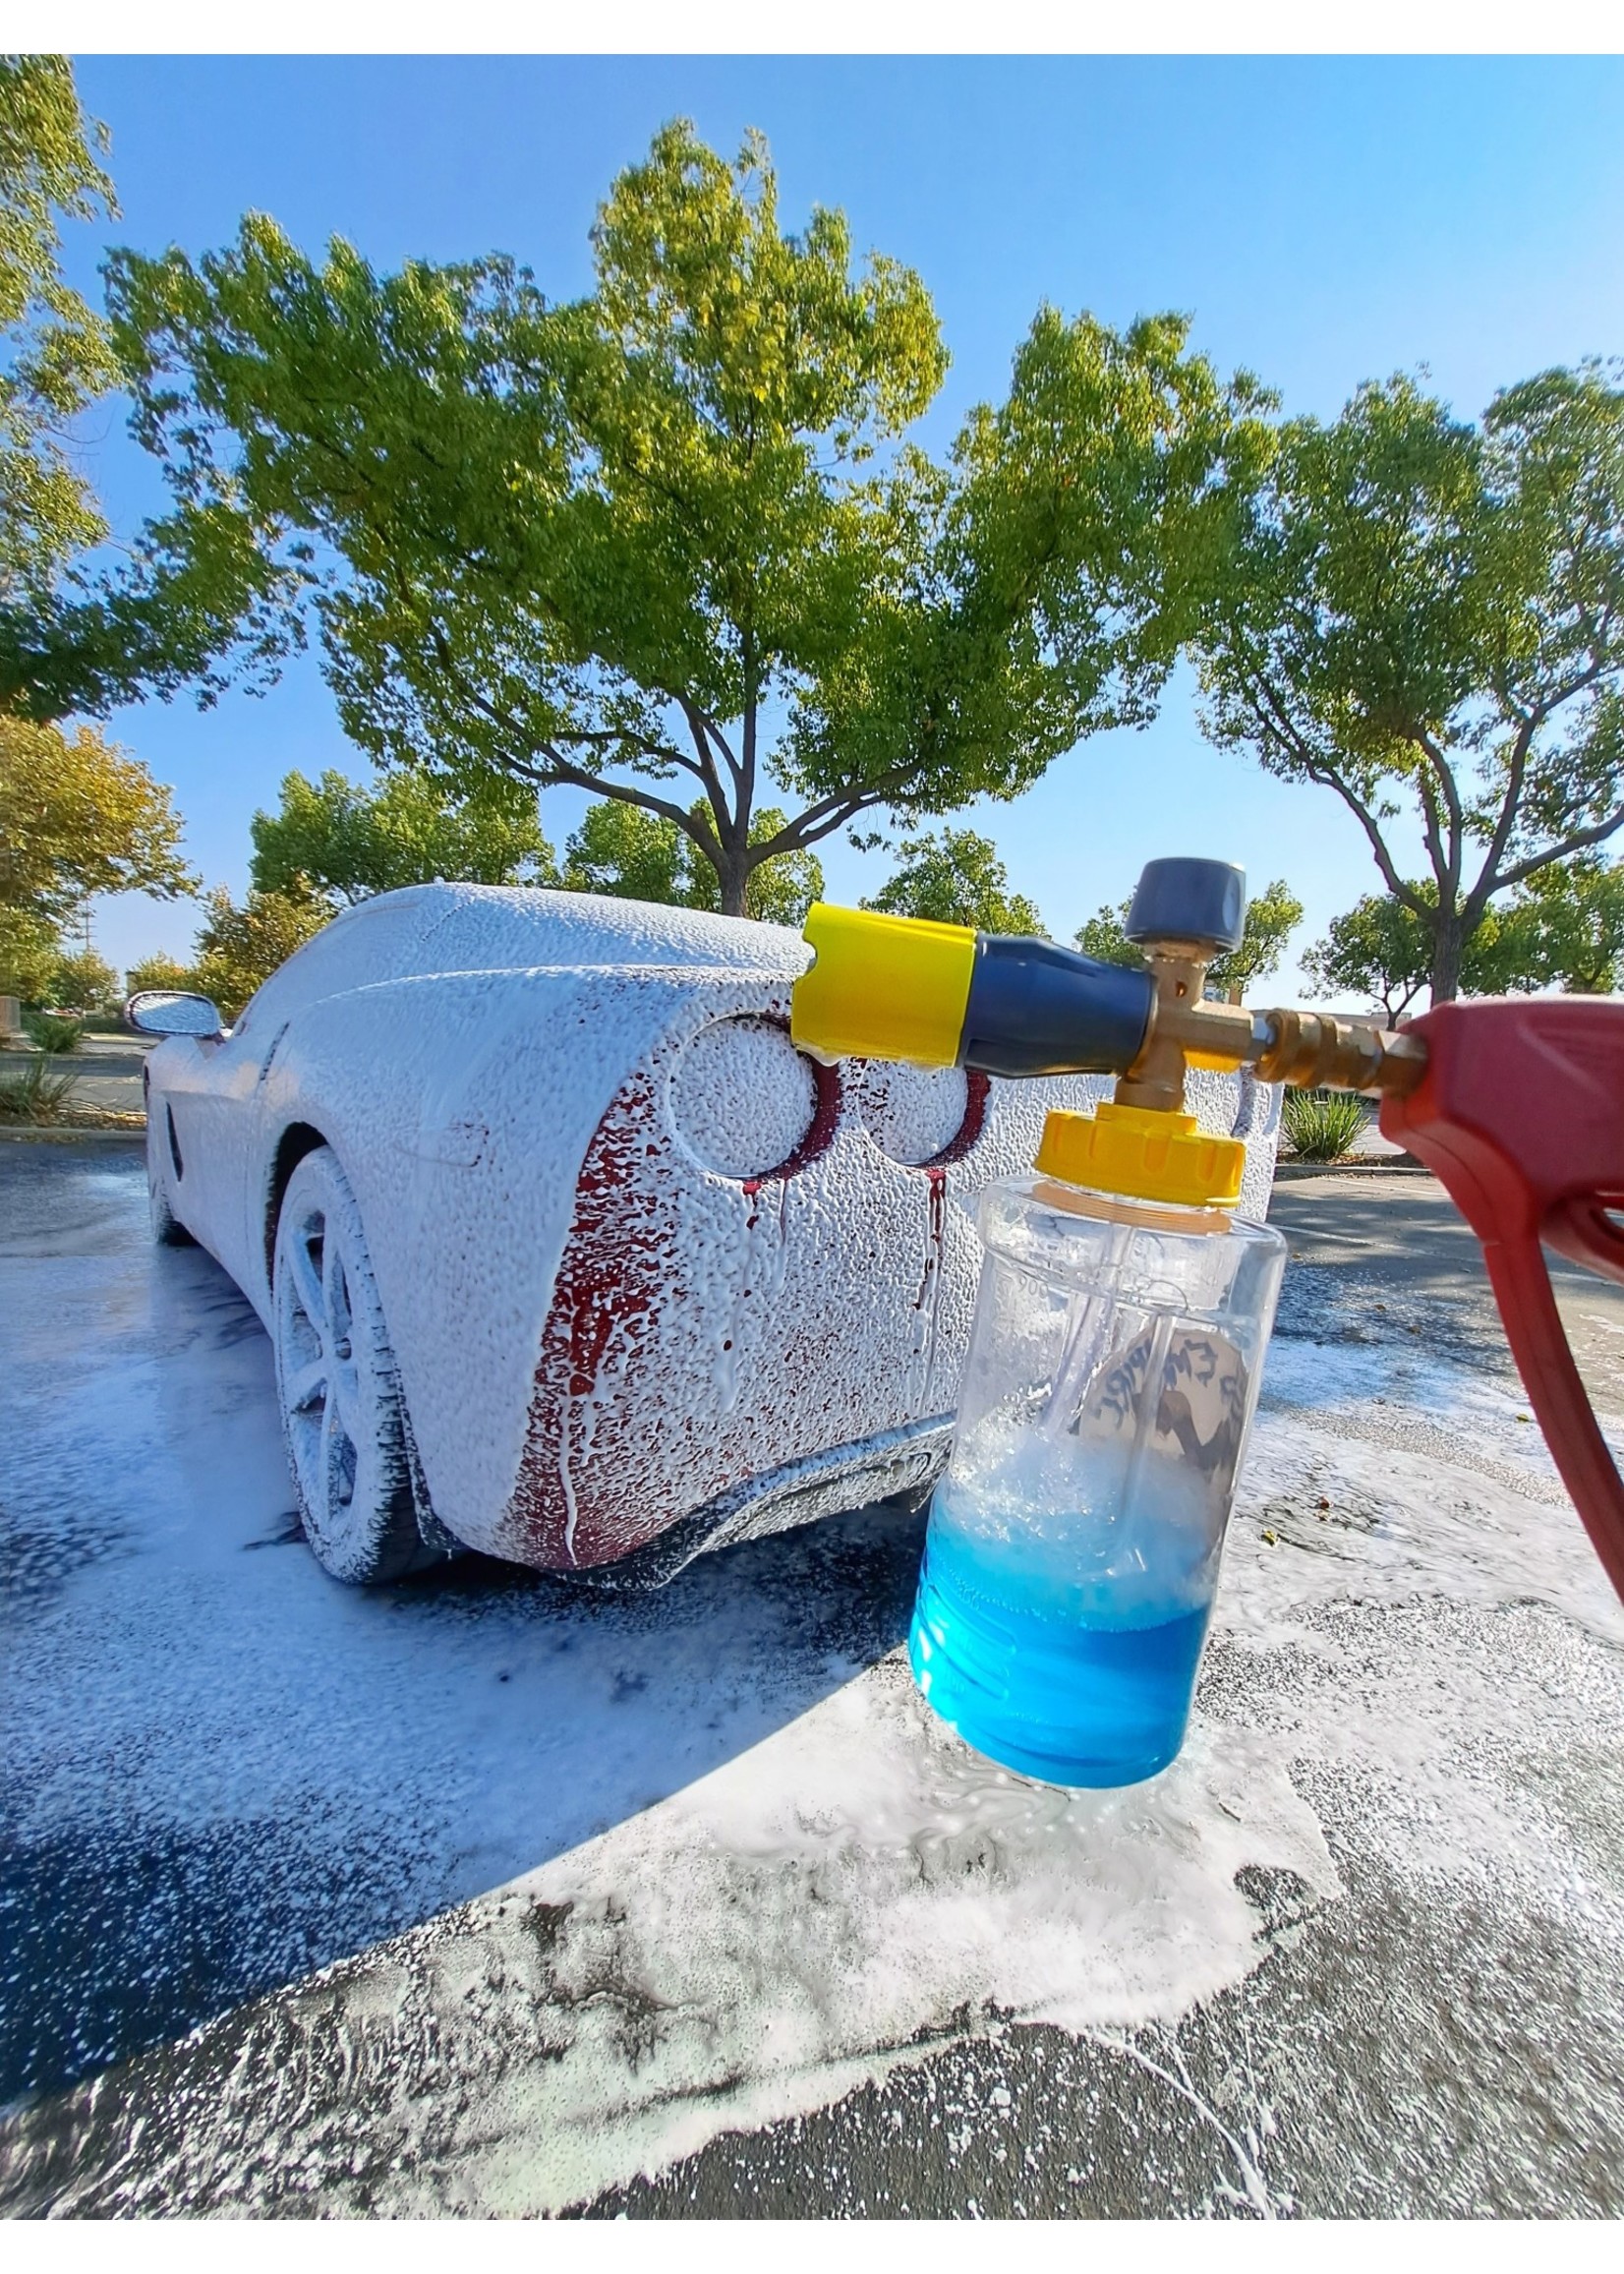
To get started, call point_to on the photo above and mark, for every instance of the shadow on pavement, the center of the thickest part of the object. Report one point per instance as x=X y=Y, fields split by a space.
x=222 y=1769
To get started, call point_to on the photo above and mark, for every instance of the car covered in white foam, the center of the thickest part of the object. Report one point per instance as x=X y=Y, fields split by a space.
x=567 y=1254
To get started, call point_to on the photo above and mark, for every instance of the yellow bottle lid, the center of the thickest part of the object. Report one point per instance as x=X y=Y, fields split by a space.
x=883 y=987
x=1143 y=1155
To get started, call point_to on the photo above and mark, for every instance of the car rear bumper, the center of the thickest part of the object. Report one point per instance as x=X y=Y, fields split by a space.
x=900 y=1465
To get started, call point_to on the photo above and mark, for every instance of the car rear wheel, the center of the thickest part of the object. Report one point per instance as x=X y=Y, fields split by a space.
x=343 y=1417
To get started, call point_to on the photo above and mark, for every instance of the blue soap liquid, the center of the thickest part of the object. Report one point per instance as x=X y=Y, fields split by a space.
x=1058 y=1682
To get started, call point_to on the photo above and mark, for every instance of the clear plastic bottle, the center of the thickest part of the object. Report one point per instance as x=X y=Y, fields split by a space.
x=1075 y=1540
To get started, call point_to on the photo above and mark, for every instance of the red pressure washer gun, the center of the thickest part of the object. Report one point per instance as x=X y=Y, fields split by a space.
x=1517 y=1107
x=1519 y=1113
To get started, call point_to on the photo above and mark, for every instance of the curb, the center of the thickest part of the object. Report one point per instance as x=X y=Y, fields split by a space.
x=21 y=1134
x=1399 y=1164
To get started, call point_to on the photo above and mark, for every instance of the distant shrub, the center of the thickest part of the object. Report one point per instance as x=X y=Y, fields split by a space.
x=52 y=1034
x=1322 y=1125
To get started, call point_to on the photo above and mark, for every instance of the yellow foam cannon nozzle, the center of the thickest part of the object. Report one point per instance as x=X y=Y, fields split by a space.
x=942 y=995
x=883 y=987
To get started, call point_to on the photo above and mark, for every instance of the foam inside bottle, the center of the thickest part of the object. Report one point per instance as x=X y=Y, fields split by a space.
x=1081 y=1529
x=1071 y=1564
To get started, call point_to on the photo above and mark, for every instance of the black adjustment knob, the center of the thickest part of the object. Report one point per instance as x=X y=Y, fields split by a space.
x=1190 y=900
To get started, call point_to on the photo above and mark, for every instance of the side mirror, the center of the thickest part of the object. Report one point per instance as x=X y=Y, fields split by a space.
x=161 y=1011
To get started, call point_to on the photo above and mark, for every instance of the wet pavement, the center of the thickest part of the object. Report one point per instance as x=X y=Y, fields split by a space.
x=483 y=1894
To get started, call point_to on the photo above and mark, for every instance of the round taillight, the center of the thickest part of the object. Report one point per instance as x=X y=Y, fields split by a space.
x=913 y=1113
x=743 y=1099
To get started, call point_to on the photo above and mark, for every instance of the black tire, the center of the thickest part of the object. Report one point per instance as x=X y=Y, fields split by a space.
x=343 y=1416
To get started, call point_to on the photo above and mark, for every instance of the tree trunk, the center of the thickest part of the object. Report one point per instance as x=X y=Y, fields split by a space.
x=734 y=878
x=1447 y=948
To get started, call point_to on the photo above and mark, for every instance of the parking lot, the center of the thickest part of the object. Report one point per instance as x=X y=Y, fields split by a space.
x=482 y=1894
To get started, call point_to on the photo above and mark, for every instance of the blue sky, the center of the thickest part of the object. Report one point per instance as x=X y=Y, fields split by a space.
x=1323 y=220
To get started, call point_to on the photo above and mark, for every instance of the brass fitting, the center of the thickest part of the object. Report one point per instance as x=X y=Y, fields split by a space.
x=1178 y=1027
x=1313 y=1051
x=1305 y=1048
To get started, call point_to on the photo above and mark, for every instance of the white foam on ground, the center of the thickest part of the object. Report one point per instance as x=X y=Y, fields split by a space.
x=860 y=1885
x=854 y=1889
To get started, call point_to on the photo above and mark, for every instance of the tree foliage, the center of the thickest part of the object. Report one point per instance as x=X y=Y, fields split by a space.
x=1382 y=950
x=1103 y=937
x=670 y=541
x=200 y=581
x=79 y=815
x=1431 y=613
x=1563 y=928
x=239 y=948
x=630 y=853
x=28 y=952
x=160 y=970
x=637 y=855
x=349 y=842
x=1272 y=915
x=55 y=354
x=84 y=979
x=1379 y=950
x=952 y=876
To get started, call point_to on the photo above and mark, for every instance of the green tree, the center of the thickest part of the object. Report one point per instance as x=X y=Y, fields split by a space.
x=350 y=842
x=189 y=586
x=160 y=970
x=780 y=887
x=1103 y=937
x=85 y=980
x=952 y=876
x=1272 y=915
x=672 y=542
x=1382 y=949
x=629 y=853
x=1431 y=612
x=28 y=952
x=1564 y=928
x=239 y=948
x=637 y=855
x=55 y=354
x=77 y=816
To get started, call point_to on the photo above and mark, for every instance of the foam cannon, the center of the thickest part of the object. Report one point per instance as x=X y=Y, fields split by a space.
x=1516 y=1106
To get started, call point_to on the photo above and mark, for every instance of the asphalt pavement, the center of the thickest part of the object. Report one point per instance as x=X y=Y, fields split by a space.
x=482 y=1896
